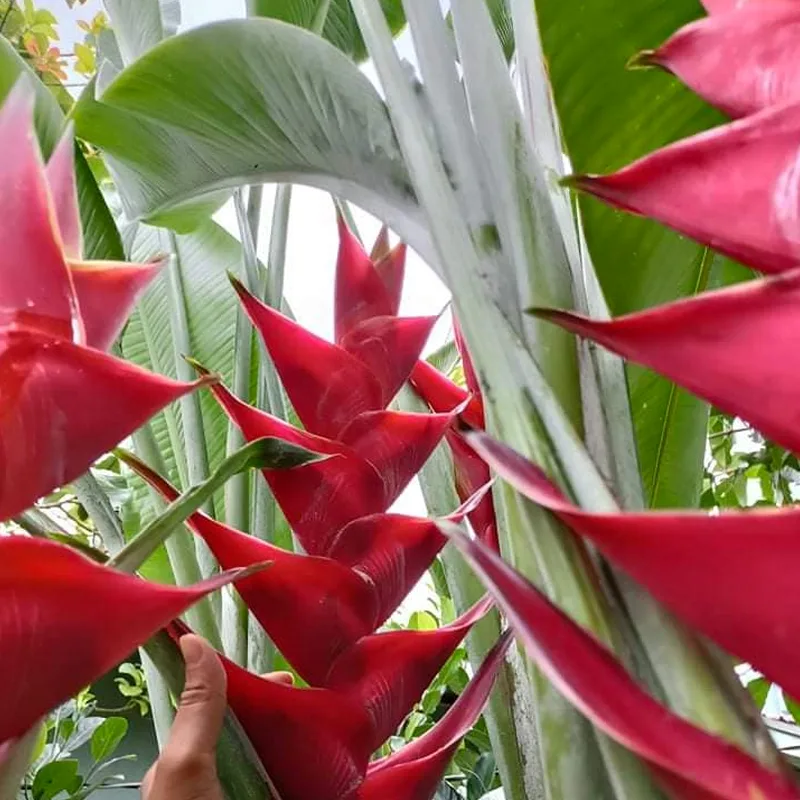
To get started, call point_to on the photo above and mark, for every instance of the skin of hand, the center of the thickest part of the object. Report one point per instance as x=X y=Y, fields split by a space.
x=187 y=766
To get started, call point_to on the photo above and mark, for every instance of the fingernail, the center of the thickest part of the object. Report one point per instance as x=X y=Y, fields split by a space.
x=192 y=649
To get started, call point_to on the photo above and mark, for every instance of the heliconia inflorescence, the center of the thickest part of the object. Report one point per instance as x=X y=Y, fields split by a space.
x=322 y=607
x=65 y=401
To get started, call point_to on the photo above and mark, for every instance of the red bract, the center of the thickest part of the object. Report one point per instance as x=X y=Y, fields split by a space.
x=745 y=171
x=367 y=286
x=702 y=342
x=313 y=743
x=742 y=62
x=387 y=673
x=64 y=401
x=74 y=620
x=673 y=553
x=699 y=765
x=379 y=454
x=414 y=771
x=315 y=608
x=441 y=394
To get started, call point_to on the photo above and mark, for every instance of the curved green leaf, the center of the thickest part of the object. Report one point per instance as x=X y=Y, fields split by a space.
x=609 y=116
x=247 y=101
x=100 y=236
x=341 y=28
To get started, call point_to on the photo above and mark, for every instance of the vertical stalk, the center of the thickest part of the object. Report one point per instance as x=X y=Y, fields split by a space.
x=180 y=547
x=161 y=708
x=98 y=507
x=194 y=439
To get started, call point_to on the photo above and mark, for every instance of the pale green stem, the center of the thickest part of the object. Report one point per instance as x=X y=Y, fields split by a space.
x=321 y=17
x=194 y=439
x=98 y=507
x=237 y=490
x=180 y=548
x=35 y=522
x=161 y=707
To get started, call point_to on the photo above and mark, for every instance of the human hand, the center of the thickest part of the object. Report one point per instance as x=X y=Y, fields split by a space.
x=187 y=767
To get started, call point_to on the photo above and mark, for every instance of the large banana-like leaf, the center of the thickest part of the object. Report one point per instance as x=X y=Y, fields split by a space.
x=202 y=259
x=340 y=28
x=609 y=116
x=100 y=235
x=247 y=101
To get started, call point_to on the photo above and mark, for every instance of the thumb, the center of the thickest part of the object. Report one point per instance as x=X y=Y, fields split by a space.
x=201 y=711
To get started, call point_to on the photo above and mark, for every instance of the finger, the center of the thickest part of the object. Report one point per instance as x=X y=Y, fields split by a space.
x=201 y=711
x=147 y=782
x=286 y=678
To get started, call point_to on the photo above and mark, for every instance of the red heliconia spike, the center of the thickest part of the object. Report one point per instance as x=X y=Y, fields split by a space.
x=672 y=553
x=745 y=171
x=589 y=676
x=441 y=394
x=62 y=407
x=327 y=385
x=35 y=282
x=702 y=342
x=74 y=620
x=471 y=472
x=470 y=376
x=312 y=608
x=313 y=743
x=107 y=293
x=393 y=551
x=739 y=62
x=414 y=771
x=317 y=498
x=60 y=172
x=392 y=269
x=386 y=673
x=360 y=291
x=397 y=444
x=389 y=347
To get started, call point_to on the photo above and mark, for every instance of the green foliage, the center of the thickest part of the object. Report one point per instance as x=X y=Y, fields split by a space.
x=638 y=262
x=78 y=728
x=340 y=28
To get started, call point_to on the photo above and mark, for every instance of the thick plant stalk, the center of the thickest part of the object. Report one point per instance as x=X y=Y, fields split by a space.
x=510 y=720
x=161 y=708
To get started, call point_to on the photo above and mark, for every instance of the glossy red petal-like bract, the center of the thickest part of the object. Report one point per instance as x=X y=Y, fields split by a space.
x=34 y=277
x=441 y=394
x=741 y=62
x=397 y=444
x=65 y=621
x=312 y=608
x=470 y=376
x=589 y=676
x=471 y=472
x=415 y=770
x=320 y=498
x=60 y=172
x=746 y=172
x=389 y=347
x=313 y=743
x=386 y=673
x=673 y=553
x=327 y=385
x=361 y=292
x=703 y=342
x=107 y=293
x=63 y=406
x=392 y=269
